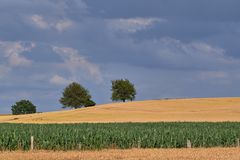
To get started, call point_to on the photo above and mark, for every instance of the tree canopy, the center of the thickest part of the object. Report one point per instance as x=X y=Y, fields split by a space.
x=123 y=90
x=76 y=96
x=23 y=107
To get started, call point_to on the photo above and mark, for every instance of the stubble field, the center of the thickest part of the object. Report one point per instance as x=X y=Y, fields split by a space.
x=130 y=154
x=194 y=110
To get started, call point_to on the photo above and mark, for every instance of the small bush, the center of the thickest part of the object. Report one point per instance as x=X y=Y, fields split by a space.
x=89 y=103
x=23 y=107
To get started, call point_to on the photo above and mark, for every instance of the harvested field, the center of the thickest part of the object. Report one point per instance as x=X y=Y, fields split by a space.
x=132 y=154
x=197 y=110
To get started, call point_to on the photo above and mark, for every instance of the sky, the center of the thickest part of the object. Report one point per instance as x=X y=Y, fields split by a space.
x=167 y=48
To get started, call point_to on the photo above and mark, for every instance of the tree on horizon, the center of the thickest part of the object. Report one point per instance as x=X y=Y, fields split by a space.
x=23 y=107
x=76 y=96
x=123 y=90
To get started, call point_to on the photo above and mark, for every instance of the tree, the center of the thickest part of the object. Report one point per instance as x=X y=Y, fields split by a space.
x=123 y=90
x=89 y=103
x=75 y=96
x=23 y=107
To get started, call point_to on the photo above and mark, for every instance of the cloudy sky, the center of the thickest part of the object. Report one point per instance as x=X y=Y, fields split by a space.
x=167 y=48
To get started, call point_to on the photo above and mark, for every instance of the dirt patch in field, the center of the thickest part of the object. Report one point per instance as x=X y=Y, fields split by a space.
x=131 y=154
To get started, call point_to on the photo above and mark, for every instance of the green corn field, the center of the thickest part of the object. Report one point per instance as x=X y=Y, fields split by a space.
x=89 y=136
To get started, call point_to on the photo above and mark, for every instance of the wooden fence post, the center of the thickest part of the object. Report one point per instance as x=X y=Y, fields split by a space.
x=32 y=146
x=237 y=142
x=189 y=145
x=139 y=143
x=80 y=146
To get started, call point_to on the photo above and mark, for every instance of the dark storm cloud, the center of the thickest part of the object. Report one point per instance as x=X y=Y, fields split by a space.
x=195 y=10
x=168 y=48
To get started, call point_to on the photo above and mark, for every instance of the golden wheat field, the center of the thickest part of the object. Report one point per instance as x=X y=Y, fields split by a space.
x=196 y=109
x=130 y=154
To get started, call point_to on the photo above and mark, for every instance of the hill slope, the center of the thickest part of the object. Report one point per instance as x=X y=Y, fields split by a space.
x=198 y=109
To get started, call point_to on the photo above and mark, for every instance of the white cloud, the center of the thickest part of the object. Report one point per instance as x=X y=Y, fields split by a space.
x=39 y=21
x=52 y=23
x=13 y=52
x=132 y=25
x=59 y=80
x=74 y=62
x=172 y=53
x=62 y=25
x=16 y=60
